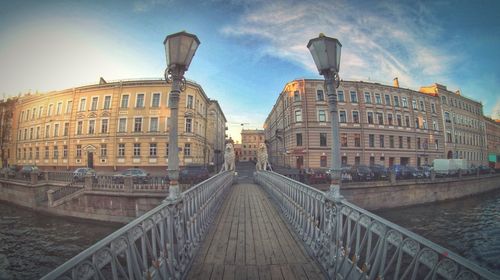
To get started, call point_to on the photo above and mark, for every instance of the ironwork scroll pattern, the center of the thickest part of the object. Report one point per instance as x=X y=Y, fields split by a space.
x=352 y=243
x=161 y=244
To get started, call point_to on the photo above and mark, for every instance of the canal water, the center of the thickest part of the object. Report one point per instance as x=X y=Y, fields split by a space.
x=469 y=226
x=32 y=244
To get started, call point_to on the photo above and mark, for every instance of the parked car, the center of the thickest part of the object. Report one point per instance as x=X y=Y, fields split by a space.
x=379 y=171
x=414 y=172
x=483 y=169
x=26 y=170
x=9 y=172
x=426 y=170
x=80 y=173
x=400 y=171
x=138 y=176
x=316 y=177
x=361 y=173
x=193 y=174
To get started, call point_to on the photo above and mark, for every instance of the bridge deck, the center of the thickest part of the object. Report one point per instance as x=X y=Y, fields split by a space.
x=249 y=240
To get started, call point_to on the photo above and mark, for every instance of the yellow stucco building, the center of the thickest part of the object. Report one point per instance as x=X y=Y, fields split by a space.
x=113 y=126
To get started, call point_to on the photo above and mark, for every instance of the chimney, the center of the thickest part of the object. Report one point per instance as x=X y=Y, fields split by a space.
x=395 y=82
x=102 y=81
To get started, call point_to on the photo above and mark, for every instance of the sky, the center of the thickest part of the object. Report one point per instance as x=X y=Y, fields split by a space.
x=250 y=49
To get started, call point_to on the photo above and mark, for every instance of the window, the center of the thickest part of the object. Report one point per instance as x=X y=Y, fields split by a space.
x=121 y=150
x=189 y=101
x=152 y=149
x=137 y=149
x=82 y=104
x=66 y=129
x=434 y=125
x=34 y=114
x=342 y=117
x=404 y=102
x=398 y=119
x=424 y=124
x=418 y=143
x=321 y=116
x=380 y=118
x=22 y=116
x=93 y=104
x=124 y=102
x=408 y=142
x=166 y=150
x=104 y=150
x=79 y=128
x=436 y=144
x=368 y=98
x=153 y=124
x=343 y=139
x=59 y=108
x=91 y=126
x=378 y=99
x=433 y=108
x=414 y=104
x=137 y=124
x=187 y=150
x=382 y=141
x=371 y=140
x=354 y=97
x=46 y=152
x=320 y=96
x=407 y=121
x=189 y=124
x=37 y=153
x=104 y=125
x=322 y=139
x=340 y=96
x=40 y=111
x=400 y=142
x=37 y=132
x=322 y=161
x=355 y=116
x=357 y=140
x=65 y=151
x=298 y=116
x=122 y=125
x=298 y=138
x=417 y=123
x=443 y=99
x=107 y=102
x=155 y=100
x=56 y=152
x=422 y=106
x=389 y=119
x=370 y=117
x=49 y=113
x=69 y=106
x=296 y=96
x=447 y=117
x=396 y=101
x=387 y=99
x=391 y=141
x=31 y=133
x=56 y=130
x=139 y=101
x=78 y=151
x=47 y=132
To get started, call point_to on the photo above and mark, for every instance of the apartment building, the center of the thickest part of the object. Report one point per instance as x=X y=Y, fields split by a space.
x=113 y=126
x=250 y=142
x=493 y=142
x=379 y=124
x=464 y=125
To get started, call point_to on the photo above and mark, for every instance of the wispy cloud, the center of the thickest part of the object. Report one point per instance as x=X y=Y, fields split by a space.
x=380 y=42
x=141 y=6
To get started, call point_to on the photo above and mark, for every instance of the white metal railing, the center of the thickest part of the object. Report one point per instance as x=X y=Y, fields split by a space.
x=160 y=244
x=352 y=243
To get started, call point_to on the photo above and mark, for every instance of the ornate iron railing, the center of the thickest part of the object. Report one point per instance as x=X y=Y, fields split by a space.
x=160 y=244
x=65 y=176
x=352 y=243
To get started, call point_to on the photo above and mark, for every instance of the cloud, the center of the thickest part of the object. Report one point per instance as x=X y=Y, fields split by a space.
x=142 y=6
x=380 y=42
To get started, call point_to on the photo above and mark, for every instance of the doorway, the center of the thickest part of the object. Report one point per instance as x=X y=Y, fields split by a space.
x=90 y=160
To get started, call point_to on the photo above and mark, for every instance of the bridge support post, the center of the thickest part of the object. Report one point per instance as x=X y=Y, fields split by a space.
x=34 y=177
x=88 y=182
x=128 y=184
x=50 y=196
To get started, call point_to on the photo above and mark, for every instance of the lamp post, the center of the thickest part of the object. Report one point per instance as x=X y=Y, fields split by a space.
x=326 y=55
x=179 y=49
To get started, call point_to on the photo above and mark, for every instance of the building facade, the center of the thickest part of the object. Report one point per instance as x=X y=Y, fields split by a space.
x=111 y=126
x=216 y=134
x=6 y=113
x=464 y=125
x=250 y=142
x=379 y=124
x=493 y=142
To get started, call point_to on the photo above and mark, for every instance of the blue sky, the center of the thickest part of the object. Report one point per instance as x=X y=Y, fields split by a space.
x=250 y=49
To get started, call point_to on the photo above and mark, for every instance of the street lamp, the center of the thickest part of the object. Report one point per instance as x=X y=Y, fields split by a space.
x=326 y=54
x=179 y=49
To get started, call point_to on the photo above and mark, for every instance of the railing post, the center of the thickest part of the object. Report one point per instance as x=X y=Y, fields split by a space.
x=50 y=196
x=174 y=236
x=392 y=177
x=34 y=177
x=433 y=175
x=128 y=183
x=460 y=173
x=88 y=182
x=46 y=175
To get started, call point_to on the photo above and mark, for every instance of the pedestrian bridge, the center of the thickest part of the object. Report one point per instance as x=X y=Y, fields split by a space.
x=265 y=227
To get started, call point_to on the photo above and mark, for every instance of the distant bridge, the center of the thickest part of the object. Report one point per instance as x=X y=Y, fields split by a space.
x=230 y=227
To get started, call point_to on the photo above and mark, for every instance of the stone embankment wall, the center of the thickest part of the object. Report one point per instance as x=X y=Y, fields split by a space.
x=372 y=196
